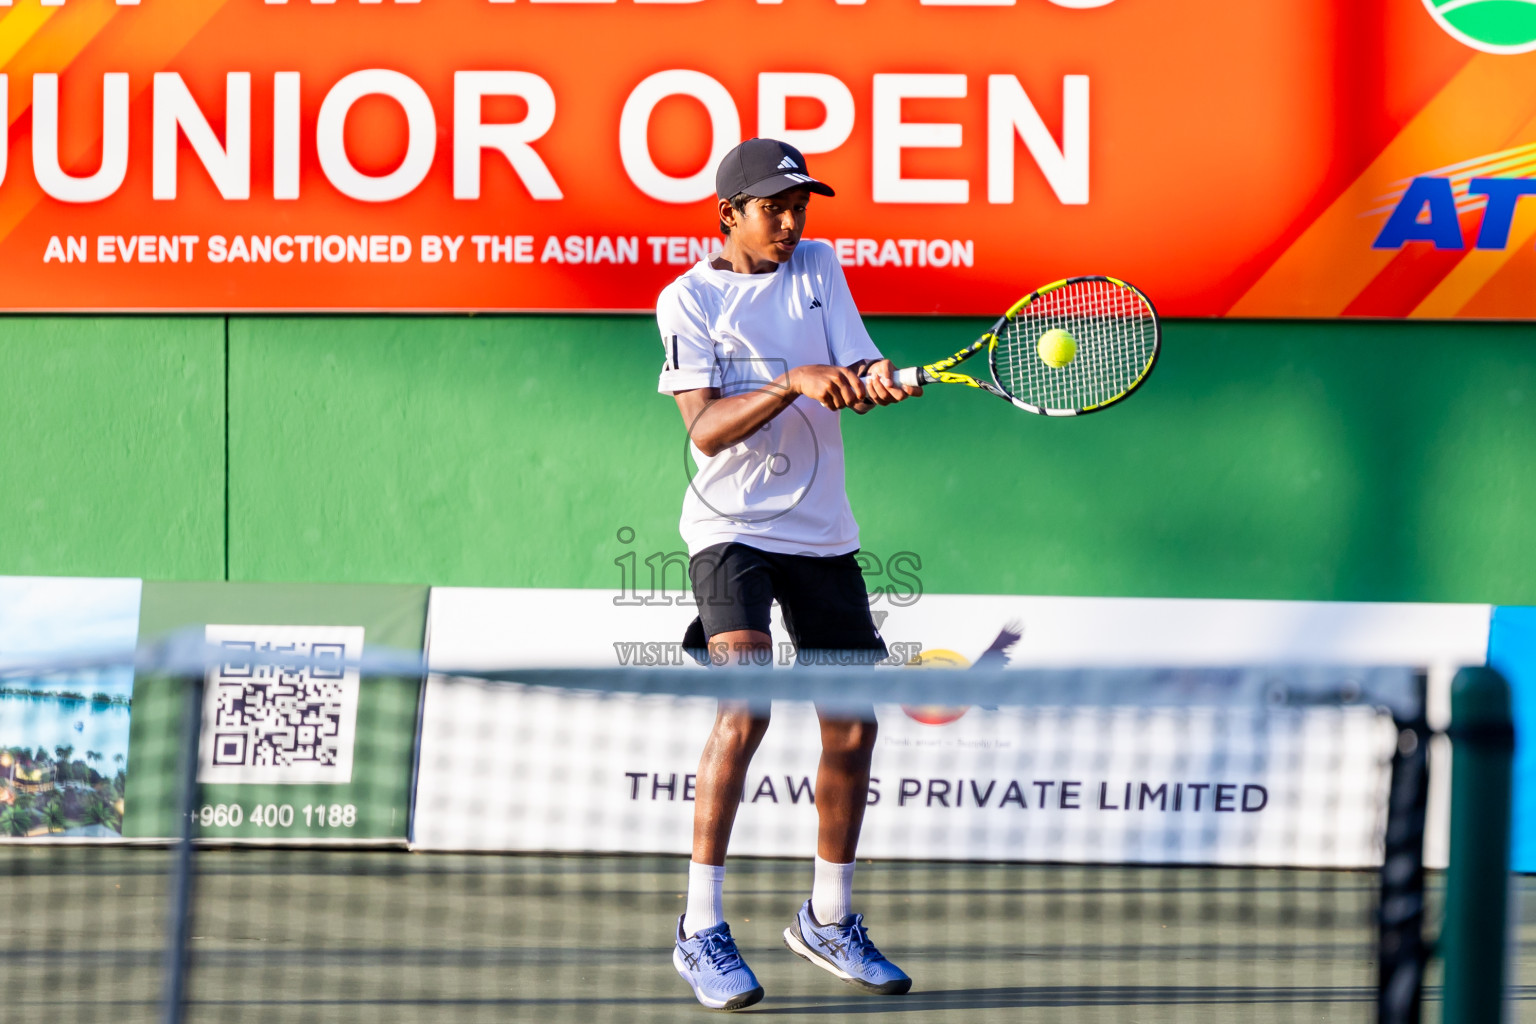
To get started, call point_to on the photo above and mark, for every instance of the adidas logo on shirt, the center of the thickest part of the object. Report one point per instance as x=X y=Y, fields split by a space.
x=788 y=164
x=815 y=302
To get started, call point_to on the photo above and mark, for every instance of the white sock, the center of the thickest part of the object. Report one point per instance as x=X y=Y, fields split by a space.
x=706 y=883
x=832 y=892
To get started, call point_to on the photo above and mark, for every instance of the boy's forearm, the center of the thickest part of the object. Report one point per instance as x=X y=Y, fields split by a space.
x=728 y=421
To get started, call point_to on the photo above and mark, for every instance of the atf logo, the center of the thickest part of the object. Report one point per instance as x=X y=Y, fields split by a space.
x=1493 y=26
x=1429 y=206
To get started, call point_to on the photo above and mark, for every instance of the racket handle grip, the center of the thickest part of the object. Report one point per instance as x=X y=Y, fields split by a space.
x=910 y=377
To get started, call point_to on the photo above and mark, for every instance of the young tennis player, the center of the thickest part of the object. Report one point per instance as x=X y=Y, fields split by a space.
x=764 y=349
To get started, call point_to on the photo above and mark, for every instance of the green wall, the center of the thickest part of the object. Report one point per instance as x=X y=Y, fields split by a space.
x=112 y=446
x=1361 y=460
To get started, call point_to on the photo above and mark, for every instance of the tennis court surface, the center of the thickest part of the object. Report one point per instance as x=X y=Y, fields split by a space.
x=292 y=935
x=1150 y=846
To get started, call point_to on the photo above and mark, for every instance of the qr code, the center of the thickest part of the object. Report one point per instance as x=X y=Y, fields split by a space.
x=281 y=704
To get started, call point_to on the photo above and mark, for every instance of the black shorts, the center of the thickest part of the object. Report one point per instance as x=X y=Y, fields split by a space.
x=826 y=607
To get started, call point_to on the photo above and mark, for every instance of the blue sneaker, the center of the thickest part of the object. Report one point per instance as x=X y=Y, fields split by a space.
x=844 y=949
x=711 y=965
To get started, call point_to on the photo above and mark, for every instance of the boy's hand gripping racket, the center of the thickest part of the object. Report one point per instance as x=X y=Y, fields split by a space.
x=1072 y=347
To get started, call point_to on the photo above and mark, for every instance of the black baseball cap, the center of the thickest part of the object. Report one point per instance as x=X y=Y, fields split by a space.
x=764 y=167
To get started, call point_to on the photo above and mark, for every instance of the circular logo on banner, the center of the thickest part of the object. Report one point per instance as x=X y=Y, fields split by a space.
x=933 y=714
x=1493 y=26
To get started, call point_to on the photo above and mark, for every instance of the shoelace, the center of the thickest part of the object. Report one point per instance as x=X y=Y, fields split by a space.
x=858 y=939
x=720 y=951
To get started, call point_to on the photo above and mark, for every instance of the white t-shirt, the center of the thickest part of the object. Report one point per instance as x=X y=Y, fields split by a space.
x=780 y=490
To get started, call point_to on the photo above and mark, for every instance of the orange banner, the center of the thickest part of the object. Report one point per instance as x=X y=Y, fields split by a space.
x=1267 y=158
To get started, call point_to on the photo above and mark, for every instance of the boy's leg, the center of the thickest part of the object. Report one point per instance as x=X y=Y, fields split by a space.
x=737 y=732
x=826 y=610
x=705 y=954
x=842 y=792
x=734 y=592
x=826 y=931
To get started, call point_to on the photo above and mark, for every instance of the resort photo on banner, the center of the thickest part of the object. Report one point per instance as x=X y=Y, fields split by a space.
x=64 y=733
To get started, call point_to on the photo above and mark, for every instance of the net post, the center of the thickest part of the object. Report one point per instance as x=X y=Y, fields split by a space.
x=1477 y=881
x=183 y=869
x=1403 y=951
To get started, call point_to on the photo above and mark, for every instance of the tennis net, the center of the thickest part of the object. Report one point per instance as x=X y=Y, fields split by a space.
x=1145 y=845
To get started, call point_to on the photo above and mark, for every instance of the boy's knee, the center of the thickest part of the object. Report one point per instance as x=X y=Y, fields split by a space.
x=849 y=737
x=740 y=730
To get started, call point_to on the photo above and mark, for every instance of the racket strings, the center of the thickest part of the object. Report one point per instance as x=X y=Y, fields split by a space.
x=1115 y=331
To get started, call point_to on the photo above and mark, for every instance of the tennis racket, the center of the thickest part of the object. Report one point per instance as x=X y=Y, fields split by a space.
x=1110 y=345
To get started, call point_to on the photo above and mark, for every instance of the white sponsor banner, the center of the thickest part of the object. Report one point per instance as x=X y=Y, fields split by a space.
x=508 y=767
x=513 y=768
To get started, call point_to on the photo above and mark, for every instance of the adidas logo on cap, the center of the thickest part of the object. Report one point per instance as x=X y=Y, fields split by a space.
x=788 y=164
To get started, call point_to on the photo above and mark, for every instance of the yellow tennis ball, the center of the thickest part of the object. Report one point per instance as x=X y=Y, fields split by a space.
x=1057 y=348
